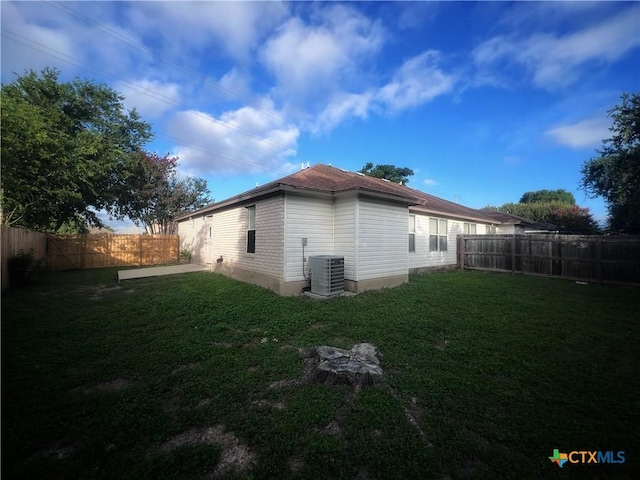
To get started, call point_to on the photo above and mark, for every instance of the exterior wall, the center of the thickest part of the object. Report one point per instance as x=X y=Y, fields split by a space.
x=382 y=239
x=310 y=218
x=229 y=239
x=194 y=236
x=505 y=229
x=344 y=227
x=422 y=258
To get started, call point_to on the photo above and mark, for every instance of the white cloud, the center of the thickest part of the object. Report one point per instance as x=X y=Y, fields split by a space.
x=417 y=81
x=341 y=107
x=553 y=60
x=150 y=97
x=430 y=182
x=233 y=27
x=213 y=148
x=584 y=134
x=308 y=60
x=236 y=82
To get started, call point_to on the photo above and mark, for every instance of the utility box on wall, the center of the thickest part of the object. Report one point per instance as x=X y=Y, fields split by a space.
x=327 y=274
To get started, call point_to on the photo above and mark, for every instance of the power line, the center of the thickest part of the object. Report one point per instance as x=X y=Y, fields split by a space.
x=142 y=48
x=141 y=89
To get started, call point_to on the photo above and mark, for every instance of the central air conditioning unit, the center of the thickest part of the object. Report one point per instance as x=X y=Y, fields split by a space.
x=327 y=274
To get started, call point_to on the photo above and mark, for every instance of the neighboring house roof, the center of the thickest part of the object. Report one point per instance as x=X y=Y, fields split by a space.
x=511 y=219
x=96 y=230
x=331 y=180
x=132 y=230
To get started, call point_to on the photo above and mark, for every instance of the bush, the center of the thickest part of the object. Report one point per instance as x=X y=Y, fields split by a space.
x=185 y=255
x=23 y=267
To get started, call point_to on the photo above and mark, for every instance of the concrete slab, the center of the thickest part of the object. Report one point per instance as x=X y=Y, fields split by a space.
x=159 y=271
x=315 y=296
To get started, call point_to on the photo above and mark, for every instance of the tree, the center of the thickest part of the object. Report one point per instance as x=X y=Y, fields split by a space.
x=153 y=193
x=390 y=172
x=566 y=217
x=65 y=148
x=538 y=196
x=615 y=174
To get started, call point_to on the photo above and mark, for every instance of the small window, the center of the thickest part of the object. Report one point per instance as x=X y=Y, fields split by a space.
x=491 y=229
x=251 y=229
x=412 y=233
x=437 y=235
x=470 y=229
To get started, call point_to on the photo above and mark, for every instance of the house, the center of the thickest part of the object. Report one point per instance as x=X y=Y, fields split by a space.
x=384 y=230
x=132 y=230
x=513 y=224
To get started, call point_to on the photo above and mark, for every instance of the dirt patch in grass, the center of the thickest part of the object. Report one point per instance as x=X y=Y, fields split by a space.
x=270 y=404
x=295 y=464
x=97 y=292
x=115 y=385
x=182 y=368
x=235 y=456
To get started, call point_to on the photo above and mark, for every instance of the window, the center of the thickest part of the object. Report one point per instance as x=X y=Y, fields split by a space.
x=469 y=228
x=491 y=229
x=251 y=229
x=437 y=235
x=412 y=233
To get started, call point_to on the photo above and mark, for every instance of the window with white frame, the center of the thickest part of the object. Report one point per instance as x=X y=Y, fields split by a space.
x=437 y=235
x=251 y=229
x=469 y=228
x=491 y=229
x=412 y=233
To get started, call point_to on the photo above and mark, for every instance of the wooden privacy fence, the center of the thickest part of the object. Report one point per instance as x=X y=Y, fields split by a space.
x=589 y=258
x=15 y=239
x=108 y=250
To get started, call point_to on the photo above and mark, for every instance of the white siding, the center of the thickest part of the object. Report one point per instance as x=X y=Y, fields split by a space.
x=310 y=218
x=193 y=236
x=505 y=229
x=344 y=226
x=383 y=241
x=422 y=257
x=229 y=237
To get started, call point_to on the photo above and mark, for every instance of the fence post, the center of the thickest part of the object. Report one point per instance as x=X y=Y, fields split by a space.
x=140 y=250
x=461 y=246
x=599 y=260
x=513 y=254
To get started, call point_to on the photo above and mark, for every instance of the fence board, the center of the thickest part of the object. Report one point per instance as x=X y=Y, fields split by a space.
x=15 y=239
x=592 y=258
x=108 y=250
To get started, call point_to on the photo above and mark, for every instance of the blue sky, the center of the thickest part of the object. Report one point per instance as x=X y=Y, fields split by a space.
x=484 y=101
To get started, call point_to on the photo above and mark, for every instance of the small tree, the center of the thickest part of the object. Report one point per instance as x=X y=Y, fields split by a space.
x=390 y=172
x=615 y=174
x=153 y=193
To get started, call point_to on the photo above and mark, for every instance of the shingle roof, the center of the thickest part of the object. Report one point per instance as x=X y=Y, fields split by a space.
x=327 y=179
x=511 y=219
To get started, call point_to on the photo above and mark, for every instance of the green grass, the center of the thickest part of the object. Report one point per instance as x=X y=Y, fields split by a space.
x=497 y=371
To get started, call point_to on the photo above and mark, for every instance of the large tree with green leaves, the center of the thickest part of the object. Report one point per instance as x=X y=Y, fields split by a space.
x=556 y=207
x=615 y=174
x=153 y=193
x=390 y=172
x=538 y=196
x=66 y=147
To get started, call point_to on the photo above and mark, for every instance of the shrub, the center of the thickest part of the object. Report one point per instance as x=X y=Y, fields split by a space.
x=23 y=267
x=185 y=254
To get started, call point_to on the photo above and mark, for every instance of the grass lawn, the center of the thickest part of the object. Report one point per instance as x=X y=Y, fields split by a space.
x=182 y=377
